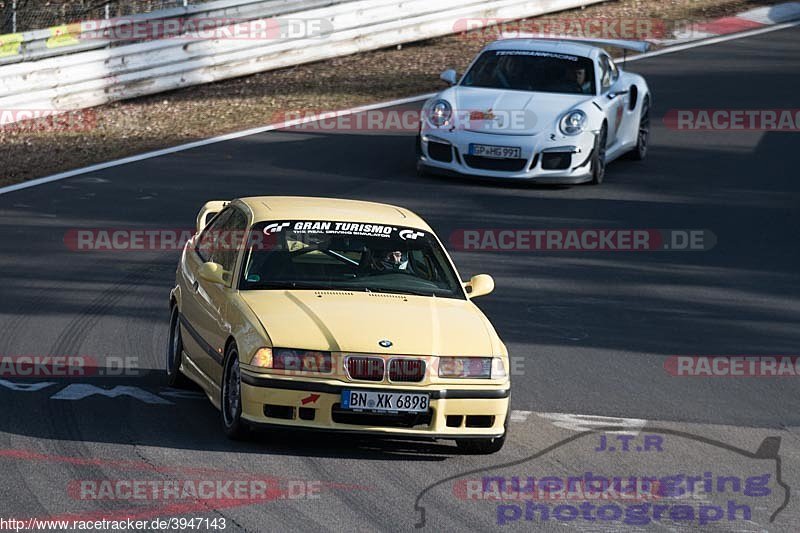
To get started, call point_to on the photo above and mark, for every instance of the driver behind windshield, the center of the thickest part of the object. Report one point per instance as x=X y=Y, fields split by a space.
x=393 y=260
x=582 y=79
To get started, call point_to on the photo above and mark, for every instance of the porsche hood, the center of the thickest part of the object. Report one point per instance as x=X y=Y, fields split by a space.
x=342 y=321
x=505 y=112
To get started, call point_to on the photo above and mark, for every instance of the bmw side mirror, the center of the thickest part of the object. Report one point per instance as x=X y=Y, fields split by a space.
x=448 y=76
x=212 y=272
x=479 y=285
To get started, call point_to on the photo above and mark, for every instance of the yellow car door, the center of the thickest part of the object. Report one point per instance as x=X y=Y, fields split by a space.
x=206 y=302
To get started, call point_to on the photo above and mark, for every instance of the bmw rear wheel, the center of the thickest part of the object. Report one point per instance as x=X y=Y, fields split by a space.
x=231 y=401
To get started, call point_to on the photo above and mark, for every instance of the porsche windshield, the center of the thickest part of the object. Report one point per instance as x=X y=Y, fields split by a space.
x=347 y=256
x=522 y=70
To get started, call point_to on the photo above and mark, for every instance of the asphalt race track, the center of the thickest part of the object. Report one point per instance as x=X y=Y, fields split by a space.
x=591 y=331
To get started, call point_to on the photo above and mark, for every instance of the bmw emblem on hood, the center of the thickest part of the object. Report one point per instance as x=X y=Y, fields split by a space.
x=385 y=343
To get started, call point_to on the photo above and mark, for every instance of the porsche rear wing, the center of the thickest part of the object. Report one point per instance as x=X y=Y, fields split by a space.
x=636 y=46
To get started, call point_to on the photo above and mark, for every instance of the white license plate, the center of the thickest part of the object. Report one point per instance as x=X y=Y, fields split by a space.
x=384 y=402
x=497 y=152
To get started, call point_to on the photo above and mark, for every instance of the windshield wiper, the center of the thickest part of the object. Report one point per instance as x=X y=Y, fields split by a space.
x=400 y=291
x=306 y=285
x=267 y=285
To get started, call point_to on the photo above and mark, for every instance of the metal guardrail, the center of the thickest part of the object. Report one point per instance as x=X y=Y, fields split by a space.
x=97 y=76
x=18 y=16
x=80 y=36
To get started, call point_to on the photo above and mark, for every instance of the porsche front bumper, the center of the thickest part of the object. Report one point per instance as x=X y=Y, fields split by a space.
x=316 y=405
x=546 y=160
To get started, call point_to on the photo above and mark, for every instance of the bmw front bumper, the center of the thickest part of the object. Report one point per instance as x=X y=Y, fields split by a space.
x=316 y=405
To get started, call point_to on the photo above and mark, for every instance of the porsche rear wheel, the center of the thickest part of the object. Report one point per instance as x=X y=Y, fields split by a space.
x=599 y=157
x=231 y=402
x=175 y=377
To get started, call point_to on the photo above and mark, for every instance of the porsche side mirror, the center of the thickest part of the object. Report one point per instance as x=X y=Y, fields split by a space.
x=448 y=76
x=212 y=272
x=479 y=285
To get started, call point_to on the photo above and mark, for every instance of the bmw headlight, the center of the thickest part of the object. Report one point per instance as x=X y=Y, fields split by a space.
x=573 y=123
x=295 y=360
x=439 y=113
x=471 y=367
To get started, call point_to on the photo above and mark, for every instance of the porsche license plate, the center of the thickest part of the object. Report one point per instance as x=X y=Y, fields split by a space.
x=384 y=402
x=496 y=152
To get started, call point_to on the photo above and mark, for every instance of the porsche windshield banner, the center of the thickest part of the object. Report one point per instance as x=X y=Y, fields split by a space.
x=536 y=54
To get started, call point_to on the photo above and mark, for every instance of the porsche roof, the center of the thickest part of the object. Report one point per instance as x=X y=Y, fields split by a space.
x=335 y=209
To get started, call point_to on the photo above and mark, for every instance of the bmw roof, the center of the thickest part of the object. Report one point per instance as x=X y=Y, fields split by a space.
x=335 y=209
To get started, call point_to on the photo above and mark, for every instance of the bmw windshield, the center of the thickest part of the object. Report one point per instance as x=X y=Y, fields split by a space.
x=347 y=256
x=523 y=70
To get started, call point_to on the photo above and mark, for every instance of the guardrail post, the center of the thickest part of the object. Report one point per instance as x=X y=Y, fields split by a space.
x=8 y=17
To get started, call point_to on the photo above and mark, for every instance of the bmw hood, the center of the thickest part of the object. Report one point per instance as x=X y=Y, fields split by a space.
x=504 y=112
x=341 y=321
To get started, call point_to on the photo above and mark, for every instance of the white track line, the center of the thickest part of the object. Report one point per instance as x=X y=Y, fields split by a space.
x=360 y=109
x=204 y=142
x=577 y=422
x=520 y=416
x=714 y=40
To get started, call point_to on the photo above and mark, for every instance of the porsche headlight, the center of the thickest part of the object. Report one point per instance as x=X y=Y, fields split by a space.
x=471 y=367
x=288 y=359
x=439 y=113
x=573 y=123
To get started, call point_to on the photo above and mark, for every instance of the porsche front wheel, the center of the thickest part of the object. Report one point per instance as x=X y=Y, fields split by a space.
x=599 y=156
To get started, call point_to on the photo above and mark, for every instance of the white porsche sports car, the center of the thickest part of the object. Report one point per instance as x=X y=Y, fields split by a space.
x=543 y=110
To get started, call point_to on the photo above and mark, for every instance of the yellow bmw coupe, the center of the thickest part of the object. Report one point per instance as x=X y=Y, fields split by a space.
x=328 y=314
